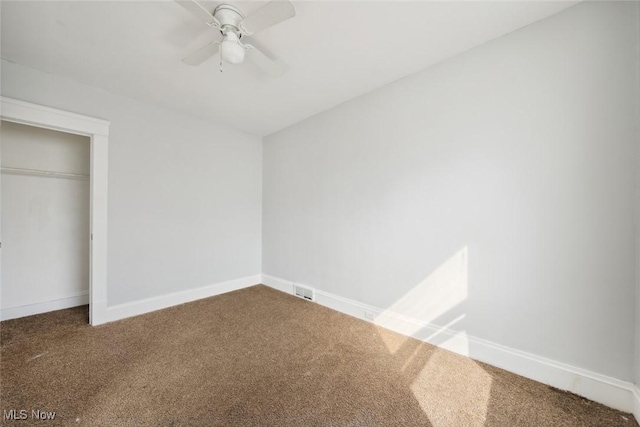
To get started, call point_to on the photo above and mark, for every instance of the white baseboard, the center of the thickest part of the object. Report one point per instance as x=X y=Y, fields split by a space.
x=279 y=284
x=135 y=308
x=44 y=307
x=609 y=391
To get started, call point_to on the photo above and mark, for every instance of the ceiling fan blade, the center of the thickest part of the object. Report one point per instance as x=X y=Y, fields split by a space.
x=270 y=14
x=272 y=68
x=199 y=12
x=202 y=54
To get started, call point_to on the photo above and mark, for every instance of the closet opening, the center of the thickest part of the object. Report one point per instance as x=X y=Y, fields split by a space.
x=45 y=219
x=53 y=210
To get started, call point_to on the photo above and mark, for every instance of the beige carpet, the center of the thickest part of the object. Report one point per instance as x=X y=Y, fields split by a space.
x=260 y=357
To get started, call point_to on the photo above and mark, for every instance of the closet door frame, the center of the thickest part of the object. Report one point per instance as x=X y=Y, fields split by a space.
x=16 y=111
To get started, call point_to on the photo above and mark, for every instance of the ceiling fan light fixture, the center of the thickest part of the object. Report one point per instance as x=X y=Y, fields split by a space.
x=231 y=50
x=233 y=25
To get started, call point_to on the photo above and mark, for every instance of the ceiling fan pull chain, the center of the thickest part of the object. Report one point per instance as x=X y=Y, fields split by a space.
x=220 y=62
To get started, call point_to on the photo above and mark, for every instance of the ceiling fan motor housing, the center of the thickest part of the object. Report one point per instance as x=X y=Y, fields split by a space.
x=229 y=17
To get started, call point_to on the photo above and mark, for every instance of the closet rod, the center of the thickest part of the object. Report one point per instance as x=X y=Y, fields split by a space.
x=48 y=174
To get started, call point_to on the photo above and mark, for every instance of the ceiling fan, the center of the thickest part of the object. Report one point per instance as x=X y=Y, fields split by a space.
x=233 y=26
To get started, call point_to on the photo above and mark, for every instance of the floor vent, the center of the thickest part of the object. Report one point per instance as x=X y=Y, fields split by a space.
x=303 y=292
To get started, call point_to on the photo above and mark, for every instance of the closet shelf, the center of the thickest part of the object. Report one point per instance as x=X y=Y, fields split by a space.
x=48 y=174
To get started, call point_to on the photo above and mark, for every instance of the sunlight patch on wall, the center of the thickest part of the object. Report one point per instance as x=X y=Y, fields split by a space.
x=438 y=293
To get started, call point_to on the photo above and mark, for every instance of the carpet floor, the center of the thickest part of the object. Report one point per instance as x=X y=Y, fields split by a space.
x=259 y=357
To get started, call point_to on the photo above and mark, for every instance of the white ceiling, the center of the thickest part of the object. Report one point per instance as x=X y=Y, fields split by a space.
x=334 y=50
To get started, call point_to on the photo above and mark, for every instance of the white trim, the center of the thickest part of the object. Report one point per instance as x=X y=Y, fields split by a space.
x=279 y=284
x=610 y=391
x=27 y=113
x=636 y=403
x=135 y=308
x=44 y=307
x=13 y=110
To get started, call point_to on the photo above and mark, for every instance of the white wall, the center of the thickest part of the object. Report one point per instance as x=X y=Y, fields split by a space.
x=184 y=194
x=492 y=193
x=637 y=113
x=45 y=220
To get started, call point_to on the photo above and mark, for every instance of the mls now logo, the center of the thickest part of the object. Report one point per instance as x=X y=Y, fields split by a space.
x=23 y=414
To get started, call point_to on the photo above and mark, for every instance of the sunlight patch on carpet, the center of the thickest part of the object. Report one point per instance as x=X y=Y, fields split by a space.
x=472 y=391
